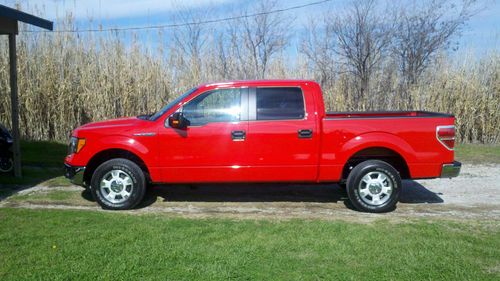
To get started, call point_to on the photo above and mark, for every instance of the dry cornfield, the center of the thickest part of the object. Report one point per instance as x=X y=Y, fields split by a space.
x=68 y=79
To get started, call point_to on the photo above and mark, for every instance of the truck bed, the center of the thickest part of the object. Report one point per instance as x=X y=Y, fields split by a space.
x=384 y=114
x=409 y=133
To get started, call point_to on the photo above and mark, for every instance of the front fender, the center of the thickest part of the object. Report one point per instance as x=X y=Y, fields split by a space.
x=123 y=142
x=133 y=145
x=141 y=148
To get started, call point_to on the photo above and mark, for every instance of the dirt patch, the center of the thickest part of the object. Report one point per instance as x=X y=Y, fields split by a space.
x=475 y=195
x=494 y=269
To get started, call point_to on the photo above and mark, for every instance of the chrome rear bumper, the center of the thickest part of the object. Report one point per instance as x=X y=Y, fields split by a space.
x=451 y=170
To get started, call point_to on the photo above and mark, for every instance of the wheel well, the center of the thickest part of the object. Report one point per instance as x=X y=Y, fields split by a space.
x=377 y=153
x=109 y=154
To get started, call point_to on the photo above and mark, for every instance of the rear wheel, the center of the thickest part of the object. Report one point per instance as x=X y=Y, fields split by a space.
x=374 y=186
x=118 y=184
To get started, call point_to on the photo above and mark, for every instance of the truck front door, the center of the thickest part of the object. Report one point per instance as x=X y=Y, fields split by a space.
x=212 y=148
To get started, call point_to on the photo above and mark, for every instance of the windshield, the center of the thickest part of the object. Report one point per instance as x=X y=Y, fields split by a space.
x=171 y=104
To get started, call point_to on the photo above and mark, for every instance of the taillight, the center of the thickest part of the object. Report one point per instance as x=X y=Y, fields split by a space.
x=446 y=136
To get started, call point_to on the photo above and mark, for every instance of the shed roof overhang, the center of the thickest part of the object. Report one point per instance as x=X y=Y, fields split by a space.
x=9 y=20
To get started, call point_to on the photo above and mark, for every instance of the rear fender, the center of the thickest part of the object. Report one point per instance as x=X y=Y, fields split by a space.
x=376 y=139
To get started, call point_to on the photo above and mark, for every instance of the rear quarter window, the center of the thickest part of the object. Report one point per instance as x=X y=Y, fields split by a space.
x=280 y=103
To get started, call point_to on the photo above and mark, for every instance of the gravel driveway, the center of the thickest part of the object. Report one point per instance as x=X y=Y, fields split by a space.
x=475 y=194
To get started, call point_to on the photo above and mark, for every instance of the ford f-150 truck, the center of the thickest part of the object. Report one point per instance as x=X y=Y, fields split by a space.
x=261 y=131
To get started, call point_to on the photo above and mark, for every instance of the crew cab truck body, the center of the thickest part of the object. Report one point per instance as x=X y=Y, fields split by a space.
x=261 y=131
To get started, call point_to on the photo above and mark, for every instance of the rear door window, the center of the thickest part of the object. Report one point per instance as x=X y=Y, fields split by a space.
x=280 y=103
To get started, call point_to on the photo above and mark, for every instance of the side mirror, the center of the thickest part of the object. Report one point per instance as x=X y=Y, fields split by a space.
x=178 y=121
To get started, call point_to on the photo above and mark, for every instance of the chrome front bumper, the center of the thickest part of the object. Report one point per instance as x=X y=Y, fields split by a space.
x=74 y=174
x=451 y=170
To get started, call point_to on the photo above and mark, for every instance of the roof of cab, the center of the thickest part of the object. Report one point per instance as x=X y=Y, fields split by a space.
x=277 y=82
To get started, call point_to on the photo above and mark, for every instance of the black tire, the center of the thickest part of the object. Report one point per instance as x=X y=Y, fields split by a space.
x=373 y=168
x=6 y=164
x=136 y=190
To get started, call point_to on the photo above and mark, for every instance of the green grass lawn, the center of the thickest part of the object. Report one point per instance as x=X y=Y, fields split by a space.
x=34 y=175
x=86 y=245
x=478 y=153
x=43 y=153
x=42 y=162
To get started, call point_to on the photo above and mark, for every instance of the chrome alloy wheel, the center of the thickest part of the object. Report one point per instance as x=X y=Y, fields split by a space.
x=375 y=188
x=116 y=186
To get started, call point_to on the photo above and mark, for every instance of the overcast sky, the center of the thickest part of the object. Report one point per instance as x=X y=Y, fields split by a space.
x=481 y=34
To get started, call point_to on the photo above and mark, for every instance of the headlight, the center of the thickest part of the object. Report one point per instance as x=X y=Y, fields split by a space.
x=75 y=145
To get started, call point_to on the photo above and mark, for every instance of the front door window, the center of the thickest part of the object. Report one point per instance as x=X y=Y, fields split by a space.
x=223 y=105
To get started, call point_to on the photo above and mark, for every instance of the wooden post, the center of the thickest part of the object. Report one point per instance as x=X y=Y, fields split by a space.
x=15 y=105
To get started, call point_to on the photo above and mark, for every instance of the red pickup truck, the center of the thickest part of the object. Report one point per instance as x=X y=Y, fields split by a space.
x=261 y=131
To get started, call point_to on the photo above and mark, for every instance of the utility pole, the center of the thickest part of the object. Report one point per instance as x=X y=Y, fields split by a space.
x=14 y=105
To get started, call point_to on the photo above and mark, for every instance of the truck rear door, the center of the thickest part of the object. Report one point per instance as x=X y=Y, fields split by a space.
x=282 y=138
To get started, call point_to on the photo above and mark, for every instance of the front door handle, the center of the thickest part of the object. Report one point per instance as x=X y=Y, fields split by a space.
x=305 y=134
x=238 y=135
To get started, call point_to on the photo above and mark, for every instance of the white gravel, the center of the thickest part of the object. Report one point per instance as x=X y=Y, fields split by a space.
x=477 y=185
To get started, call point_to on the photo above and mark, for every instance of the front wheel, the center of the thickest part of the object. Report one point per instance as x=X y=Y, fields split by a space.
x=118 y=184
x=6 y=164
x=374 y=186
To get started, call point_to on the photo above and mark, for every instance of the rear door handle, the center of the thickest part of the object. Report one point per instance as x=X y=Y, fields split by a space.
x=238 y=135
x=305 y=134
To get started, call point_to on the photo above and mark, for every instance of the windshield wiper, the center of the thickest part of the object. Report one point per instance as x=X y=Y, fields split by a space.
x=145 y=116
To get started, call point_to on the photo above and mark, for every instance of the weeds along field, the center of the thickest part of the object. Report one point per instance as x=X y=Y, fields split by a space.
x=68 y=79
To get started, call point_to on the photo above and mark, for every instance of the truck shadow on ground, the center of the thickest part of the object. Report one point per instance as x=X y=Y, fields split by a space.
x=415 y=193
x=412 y=193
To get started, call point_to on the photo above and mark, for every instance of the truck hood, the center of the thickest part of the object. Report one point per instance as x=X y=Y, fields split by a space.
x=120 y=124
